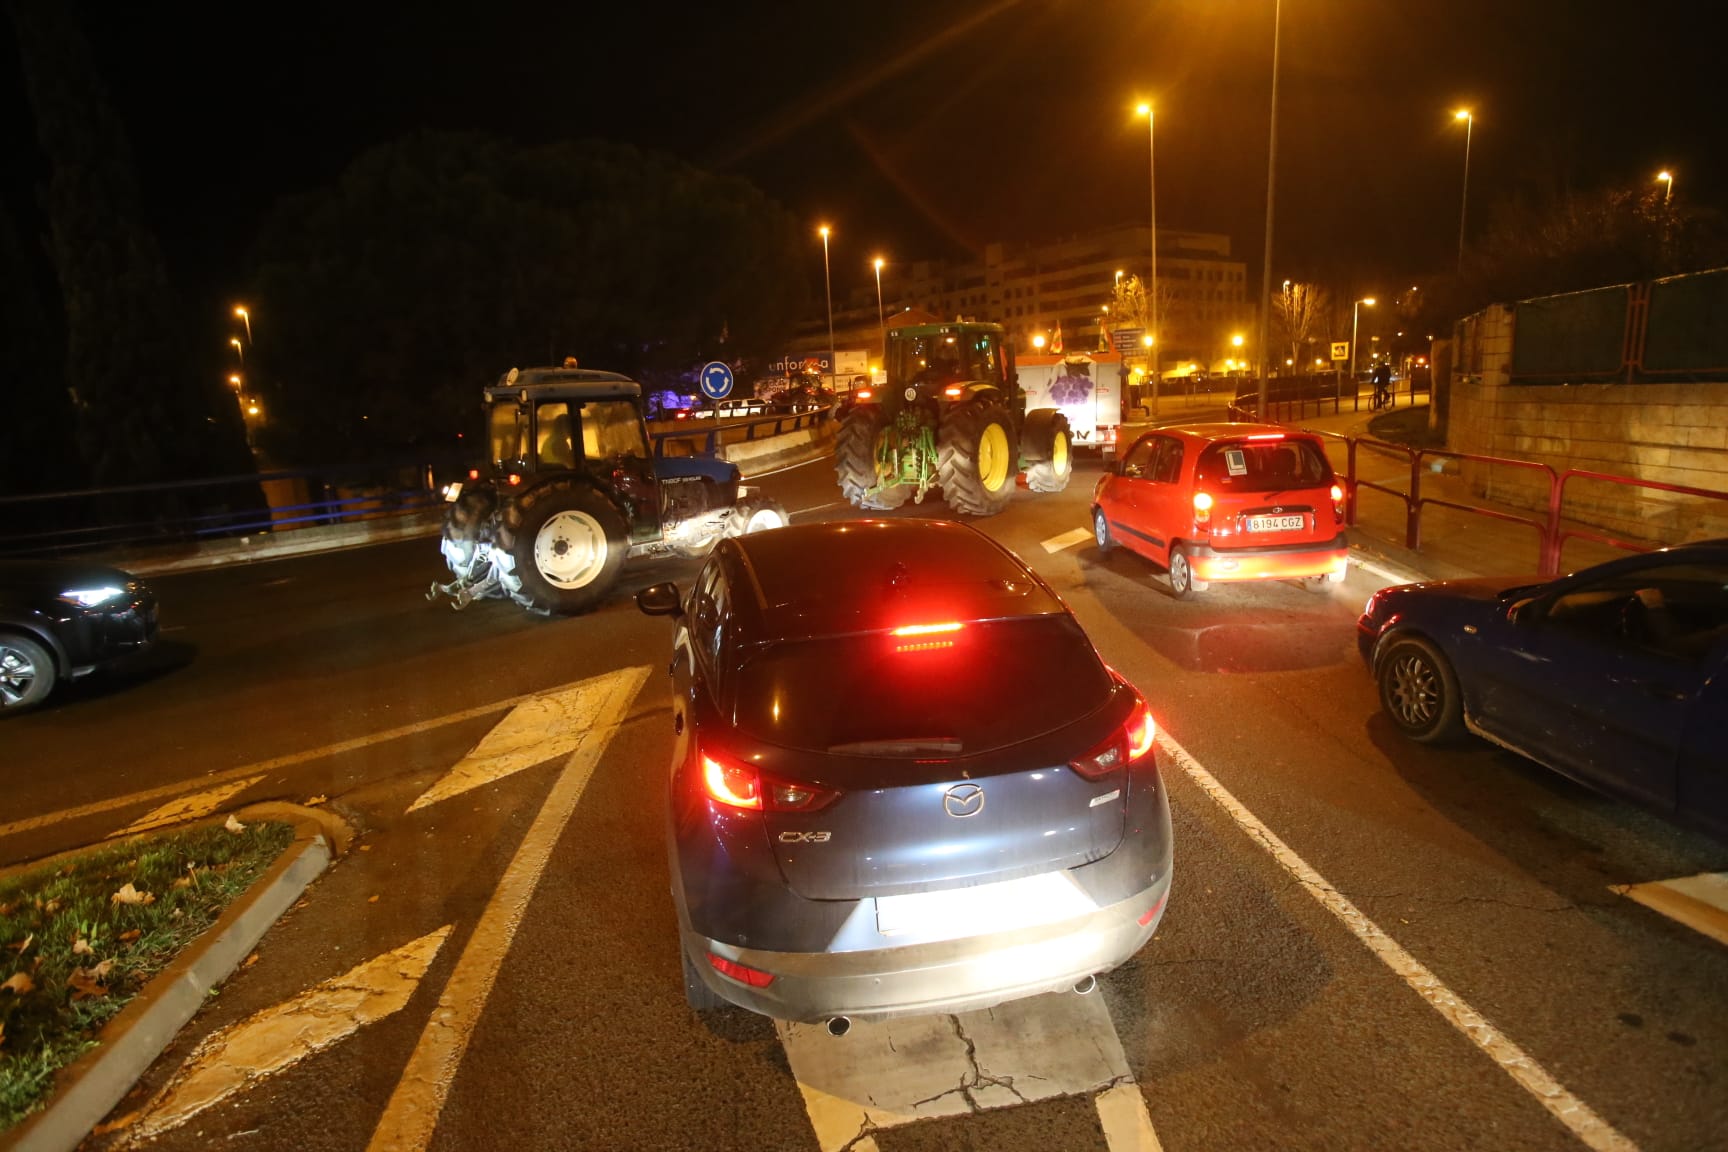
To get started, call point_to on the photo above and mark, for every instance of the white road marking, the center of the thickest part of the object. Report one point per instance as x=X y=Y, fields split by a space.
x=241 y=1056
x=412 y=1113
x=788 y=468
x=1127 y=1125
x=193 y=807
x=1700 y=902
x=535 y=731
x=916 y=1068
x=1067 y=539
x=1390 y=575
x=818 y=508
x=1577 y=1116
x=263 y=766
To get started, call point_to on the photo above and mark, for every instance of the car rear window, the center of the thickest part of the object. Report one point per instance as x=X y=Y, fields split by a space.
x=1263 y=465
x=984 y=686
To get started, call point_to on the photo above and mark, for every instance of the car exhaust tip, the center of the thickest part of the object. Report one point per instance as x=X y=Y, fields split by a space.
x=1085 y=987
x=839 y=1026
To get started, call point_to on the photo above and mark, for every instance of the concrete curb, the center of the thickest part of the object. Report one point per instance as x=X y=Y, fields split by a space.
x=90 y=1087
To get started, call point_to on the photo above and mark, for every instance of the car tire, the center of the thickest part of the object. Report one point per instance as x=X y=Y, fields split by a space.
x=855 y=461
x=568 y=544
x=698 y=995
x=27 y=673
x=1419 y=691
x=977 y=458
x=1101 y=532
x=1048 y=446
x=1182 y=582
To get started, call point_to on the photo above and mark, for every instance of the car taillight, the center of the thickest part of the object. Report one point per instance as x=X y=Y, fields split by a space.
x=1124 y=746
x=1338 y=504
x=473 y=473
x=925 y=637
x=741 y=786
x=863 y=394
x=739 y=972
x=1202 y=511
x=514 y=479
x=951 y=393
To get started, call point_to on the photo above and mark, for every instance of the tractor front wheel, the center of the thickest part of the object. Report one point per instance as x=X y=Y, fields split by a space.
x=1047 y=444
x=569 y=544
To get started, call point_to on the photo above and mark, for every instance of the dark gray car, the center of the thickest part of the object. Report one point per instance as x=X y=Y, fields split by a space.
x=903 y=781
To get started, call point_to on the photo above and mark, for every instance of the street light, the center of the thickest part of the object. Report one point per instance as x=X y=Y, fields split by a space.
x=1668 y=179
x=1118 y=277
x=234 y=379
x=828 y=286
x=881 y=323
x=240 y=311
x=1038 y=341
x=1465 y=115
x=1152 y=192
x=1271 y=184
x=1355 y=315
x=240 y=349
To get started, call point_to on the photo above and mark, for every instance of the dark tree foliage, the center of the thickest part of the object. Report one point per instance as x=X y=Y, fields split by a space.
x=442 y=260
x=36 y=449
x=141 y=409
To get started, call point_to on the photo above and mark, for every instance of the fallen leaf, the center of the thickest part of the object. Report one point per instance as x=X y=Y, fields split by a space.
x=365 y=847
x=25 y=947
x=302 y=903
x=130 y=935
x=51 y=907
x=183 y=882
x=250 y=960
x=371 y=899
x=316 y=800
x=18 y=984
x=131 y=895
x=233 y=825
x=81 y=947
x=90 y=982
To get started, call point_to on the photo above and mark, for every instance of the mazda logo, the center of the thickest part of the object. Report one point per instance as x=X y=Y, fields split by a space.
x=963 y=800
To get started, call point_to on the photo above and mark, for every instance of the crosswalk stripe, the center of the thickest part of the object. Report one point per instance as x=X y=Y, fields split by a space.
x=242 y=1055
x=193 y=807
x=1126 y=1123
x=1068 y=539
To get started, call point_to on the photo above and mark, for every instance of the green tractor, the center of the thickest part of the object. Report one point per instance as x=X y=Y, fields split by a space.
x=950 y=416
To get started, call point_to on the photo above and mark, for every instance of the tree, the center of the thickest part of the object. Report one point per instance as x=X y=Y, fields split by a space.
x=35 y=415
x=441 y=260
x=1301 y=314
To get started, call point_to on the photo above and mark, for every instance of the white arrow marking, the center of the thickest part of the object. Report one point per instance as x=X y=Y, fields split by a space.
x=539 y=729
x=412 y=1113
x=245 y=1054
x=192 y=807
x=1067 y=539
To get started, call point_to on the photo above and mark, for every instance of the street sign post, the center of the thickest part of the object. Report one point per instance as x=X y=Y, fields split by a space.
x=1126 y=340
x=1340 y=349
x=716 y=378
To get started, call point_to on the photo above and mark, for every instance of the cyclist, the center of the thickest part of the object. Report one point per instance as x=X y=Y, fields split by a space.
x=1382 y=377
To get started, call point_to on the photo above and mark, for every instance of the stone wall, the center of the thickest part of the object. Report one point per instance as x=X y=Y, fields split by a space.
x=1671 y=433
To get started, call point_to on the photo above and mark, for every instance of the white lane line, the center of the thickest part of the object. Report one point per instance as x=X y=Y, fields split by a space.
x=412 y=1113
x=788 y=468
x=818 y=508
x=192 y=807
x=1127 y=1125
x=535 y=731
x=263 y=766
x=1590 y=1128
x=241 y=1056
x=882 y=1075
x=1700 y=902
x=1067 y=539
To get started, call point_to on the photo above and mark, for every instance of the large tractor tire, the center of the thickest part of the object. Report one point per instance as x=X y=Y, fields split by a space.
x=1047 y=445
x=978 y=458
x=568 y=543
x=855 y=461
x=756 y=514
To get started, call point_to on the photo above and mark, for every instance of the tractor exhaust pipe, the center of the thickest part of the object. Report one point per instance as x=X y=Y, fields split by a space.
x=1085 y=986
x=839 y=1025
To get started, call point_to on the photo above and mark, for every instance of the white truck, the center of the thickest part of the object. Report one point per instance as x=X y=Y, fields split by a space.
x=1085 y=387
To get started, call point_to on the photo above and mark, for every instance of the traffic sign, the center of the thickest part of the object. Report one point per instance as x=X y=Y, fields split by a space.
x=1340 y=349
x=716 y=380
x=1126 y=339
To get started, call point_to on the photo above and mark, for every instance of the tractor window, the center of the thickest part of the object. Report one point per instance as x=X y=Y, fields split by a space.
x=612 y=428
x=986 y=363
x=509 y=435
x=552 y=424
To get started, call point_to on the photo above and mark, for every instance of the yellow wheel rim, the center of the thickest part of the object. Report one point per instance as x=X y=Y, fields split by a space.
x=1059 y=455
x=993 y=458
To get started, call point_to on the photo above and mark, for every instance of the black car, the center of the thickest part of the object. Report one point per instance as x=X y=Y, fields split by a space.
x=903 y=780
x=60 y=620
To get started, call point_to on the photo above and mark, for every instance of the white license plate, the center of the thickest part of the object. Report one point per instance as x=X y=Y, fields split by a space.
x=1276 y=523
x=958 y=912
x=453 y=491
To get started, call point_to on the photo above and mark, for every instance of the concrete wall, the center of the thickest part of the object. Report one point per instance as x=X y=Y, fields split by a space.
x=1671 y=433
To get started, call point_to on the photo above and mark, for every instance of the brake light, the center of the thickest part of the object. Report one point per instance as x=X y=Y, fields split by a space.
x=1202 y=510
x=515 y=479
x=732 y=784
x=863 y=393
x=741 y=786
x=951 y=392
x=927 y=629
x=738 y=972
x=1266 y=436
x=473 y=473
x=925 y=637
x=1124 y=746
x=1338 y=503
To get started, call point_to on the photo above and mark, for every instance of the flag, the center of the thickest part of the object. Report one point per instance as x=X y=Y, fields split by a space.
x=1056 y=340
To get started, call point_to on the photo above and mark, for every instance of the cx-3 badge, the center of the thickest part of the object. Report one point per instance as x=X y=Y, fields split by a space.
x=963 y=800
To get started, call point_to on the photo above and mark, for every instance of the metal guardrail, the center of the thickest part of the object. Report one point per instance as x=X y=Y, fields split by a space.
x=1293 y=398
x=712 y=432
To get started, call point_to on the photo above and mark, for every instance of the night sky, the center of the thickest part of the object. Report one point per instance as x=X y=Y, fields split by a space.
x=926 y=129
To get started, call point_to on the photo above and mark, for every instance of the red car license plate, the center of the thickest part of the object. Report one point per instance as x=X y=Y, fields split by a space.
x=1276 y=523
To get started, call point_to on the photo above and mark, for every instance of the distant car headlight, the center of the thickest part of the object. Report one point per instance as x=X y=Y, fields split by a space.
x=92 y=597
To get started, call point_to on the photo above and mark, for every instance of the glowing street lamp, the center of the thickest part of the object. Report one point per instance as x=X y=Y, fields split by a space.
x=1355 y=315
x=1038 y=341
x=239 y=350
x=828 y=286
x=234 y=379
x=881 y=323
x=240 y=311
x=1668 y=179
x=1469 y=119
x=1152 y=190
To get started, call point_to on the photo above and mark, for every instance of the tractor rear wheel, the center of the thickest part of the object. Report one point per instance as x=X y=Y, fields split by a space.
x=756 y=514
x=977 y=458
x=1047 y=444
x=568 y=543
x=855 y=461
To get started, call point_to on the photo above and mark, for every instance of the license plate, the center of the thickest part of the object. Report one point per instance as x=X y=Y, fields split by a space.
x=1276 y=523
x=452 y=492
x=984 y=908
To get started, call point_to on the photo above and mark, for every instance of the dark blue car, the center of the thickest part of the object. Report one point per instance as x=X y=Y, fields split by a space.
x=1616 y=676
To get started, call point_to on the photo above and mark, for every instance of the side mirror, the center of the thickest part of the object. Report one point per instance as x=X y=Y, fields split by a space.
x=1522 y=611
x=660 y=600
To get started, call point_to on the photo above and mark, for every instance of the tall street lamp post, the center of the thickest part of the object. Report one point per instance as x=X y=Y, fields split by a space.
x=1668 y=179
x=1355 y=314
x=1152 y=196
x=1271 y=180
x=246 y=317
x=239 y=349
x=828 y=287
x=881 y=321
x=1469 y=119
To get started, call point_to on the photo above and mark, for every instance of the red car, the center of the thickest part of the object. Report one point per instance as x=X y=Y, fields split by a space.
x=1225 y=502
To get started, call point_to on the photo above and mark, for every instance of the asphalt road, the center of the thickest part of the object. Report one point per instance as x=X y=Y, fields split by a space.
x=1257 y=1018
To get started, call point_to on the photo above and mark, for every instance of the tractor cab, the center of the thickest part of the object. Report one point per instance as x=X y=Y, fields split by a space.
x=946 y=363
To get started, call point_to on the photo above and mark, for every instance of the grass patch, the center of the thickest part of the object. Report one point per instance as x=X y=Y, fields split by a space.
x=72 y=954
x=1408 y=426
